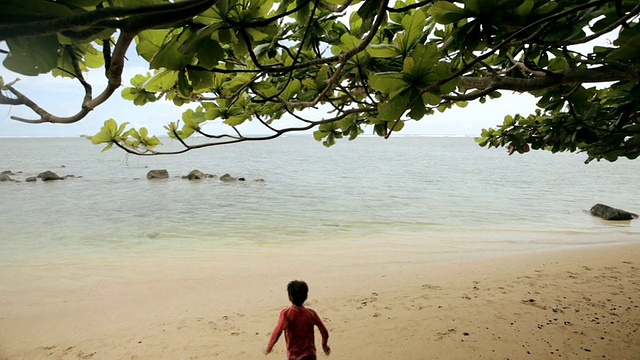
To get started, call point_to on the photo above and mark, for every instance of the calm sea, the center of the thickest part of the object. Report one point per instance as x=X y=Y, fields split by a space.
x=441 y=196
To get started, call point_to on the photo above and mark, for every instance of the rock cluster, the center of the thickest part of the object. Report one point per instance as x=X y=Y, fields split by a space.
x=44 y=176
x=195 y=175
x=7 y=176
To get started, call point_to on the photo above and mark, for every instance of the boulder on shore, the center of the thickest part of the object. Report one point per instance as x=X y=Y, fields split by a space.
x=158 y=174
x=609 y=213
x=49 y=176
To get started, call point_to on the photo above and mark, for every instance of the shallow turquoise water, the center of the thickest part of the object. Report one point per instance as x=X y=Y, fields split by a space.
x=437 y=195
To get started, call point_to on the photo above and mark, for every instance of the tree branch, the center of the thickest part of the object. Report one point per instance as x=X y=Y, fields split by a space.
x=114 y=80
x=508 y=39
x=151 y=16
x=606 y=73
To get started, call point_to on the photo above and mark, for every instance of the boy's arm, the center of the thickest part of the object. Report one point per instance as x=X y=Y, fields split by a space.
x=276 y=332
x=324 y=333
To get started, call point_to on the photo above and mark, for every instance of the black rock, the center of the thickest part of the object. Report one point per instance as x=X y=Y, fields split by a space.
x=609 y=213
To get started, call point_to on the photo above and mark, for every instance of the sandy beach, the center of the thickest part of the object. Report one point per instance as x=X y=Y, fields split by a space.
x=564 y=304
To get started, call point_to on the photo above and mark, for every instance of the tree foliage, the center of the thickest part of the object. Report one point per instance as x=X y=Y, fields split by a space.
x=364 y=64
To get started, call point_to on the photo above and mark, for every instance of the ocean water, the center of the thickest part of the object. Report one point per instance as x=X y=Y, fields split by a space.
x=438 y=196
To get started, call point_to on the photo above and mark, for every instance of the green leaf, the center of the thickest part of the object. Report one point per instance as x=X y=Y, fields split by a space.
x=257 y=35
x=292 y=89
x=367 y=12
x=395 y=125
x=235 y=120
x=480 y=7
x=431 y=98
x=413 y=26
x=161 y=81
x=184 y=87
x=32 y=55
x=149 y=42
x=525 y=8
x=349 y=42
x=389 y=82
x=421 y=61
x=444 y=12
x=169 y=56
x=210 y=54
x=418 y=110
x=32 y=10
x=319 y=135
x=200 y=80
x=107 y=147
x=106 y=134
x=382 y=51
x=396 y=106
x=629 y=50
x=267 y=89
x=547 y=7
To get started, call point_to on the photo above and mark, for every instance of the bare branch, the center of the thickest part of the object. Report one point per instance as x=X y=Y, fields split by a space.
x=410 y=7
x=520 y=65
x=88 y=104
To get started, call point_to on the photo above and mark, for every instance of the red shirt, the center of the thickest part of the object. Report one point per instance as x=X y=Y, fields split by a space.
x=297 y=324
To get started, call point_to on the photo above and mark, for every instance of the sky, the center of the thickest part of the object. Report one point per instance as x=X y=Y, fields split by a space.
x=63 y=97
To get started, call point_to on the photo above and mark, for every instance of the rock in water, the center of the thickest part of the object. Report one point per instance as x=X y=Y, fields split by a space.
x=609 y=213
x=158 y=174
x=196 y=175
x=227 y=178
x=48 y=176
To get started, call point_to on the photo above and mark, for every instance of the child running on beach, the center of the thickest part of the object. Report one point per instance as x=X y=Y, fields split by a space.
x=297 y=322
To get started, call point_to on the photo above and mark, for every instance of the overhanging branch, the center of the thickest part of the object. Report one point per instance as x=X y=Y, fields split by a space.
x=605 y=73
x=141 y=16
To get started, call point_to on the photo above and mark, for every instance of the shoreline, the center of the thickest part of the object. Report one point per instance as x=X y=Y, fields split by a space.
x=579 y=303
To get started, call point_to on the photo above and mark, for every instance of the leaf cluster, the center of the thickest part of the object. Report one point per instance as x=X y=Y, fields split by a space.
x=359 y=65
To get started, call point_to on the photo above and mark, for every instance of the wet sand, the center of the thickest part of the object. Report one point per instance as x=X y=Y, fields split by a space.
x=566 y=304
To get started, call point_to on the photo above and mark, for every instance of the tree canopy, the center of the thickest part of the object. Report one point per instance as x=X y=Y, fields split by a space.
x=366 y=64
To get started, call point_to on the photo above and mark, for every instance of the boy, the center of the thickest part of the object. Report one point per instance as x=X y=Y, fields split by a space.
x=297 y=322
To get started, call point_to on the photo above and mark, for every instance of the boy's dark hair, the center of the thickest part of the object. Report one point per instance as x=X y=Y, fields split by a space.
x=298 y=291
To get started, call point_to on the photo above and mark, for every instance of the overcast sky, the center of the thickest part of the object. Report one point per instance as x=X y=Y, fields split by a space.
x=63 y=97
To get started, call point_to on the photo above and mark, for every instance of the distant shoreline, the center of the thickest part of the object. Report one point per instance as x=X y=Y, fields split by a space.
x=309 y=135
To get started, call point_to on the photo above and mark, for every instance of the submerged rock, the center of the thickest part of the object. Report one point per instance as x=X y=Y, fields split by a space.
x=227 y=178
x=5 y=177
x=158 y=174
x=609 y=213
x=196 y=175
x=30 y=179
x=49 y=176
